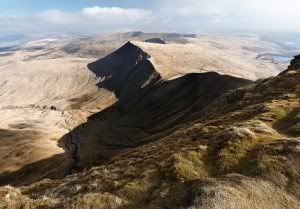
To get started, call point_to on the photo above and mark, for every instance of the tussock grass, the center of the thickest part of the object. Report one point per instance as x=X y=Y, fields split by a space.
x=95 y=201
x=190 y=165
x=242 y=151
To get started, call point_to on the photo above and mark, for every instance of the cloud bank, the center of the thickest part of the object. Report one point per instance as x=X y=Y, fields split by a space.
x=88 y=20
x=165 y=15
x=254 y=15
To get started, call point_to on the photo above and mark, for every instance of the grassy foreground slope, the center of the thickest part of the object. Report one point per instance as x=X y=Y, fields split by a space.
x=241 y=151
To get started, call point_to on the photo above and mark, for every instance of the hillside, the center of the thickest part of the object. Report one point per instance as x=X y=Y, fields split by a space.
x=49 y=87
x=244 y=55
x=215 y=148
x=147 y=107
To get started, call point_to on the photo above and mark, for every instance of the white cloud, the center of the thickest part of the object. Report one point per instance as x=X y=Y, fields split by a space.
x=275 y=8
x=252 y=15
x=90 y=19
x=116 y=13
x=57 y=17
x=166 y=15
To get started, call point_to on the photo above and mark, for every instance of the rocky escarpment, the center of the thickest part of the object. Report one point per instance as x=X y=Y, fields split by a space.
x=148 y=106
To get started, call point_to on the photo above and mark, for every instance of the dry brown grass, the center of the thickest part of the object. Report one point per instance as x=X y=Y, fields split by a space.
x=239 y=152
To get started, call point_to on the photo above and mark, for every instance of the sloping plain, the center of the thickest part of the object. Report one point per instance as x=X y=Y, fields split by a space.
x=63 y=112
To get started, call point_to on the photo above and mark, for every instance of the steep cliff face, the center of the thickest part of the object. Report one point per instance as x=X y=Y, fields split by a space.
x=148 y=106
x=125 y=72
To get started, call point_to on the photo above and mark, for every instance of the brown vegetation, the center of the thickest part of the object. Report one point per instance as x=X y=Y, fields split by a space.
x=160 y=138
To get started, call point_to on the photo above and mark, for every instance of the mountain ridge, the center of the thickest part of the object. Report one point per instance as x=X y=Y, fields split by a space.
x=143 y=111
x=148 y=107
x=244 y=152
x=165 y=138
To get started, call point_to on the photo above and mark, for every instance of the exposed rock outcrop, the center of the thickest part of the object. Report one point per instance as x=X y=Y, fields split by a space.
x=156 y=41
x=295 y=63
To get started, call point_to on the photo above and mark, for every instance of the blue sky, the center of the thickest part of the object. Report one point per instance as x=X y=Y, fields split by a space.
x=100 y=16
x=27 y=7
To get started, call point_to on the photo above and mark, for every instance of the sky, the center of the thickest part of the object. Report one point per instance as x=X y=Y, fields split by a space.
x=190 y=16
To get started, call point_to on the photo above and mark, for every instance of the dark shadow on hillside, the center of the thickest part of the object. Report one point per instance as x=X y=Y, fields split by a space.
x=150 y=115
x=148 y=109
x=290 y=124
x=53 y=167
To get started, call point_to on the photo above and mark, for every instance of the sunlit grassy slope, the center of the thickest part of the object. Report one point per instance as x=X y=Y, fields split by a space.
x=241 y=151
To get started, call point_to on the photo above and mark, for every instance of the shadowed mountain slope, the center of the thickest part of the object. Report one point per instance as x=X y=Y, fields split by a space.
x=164 y=130
x=156 y=41
x=148 y=106
x=239 y=151
x=45 y=92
